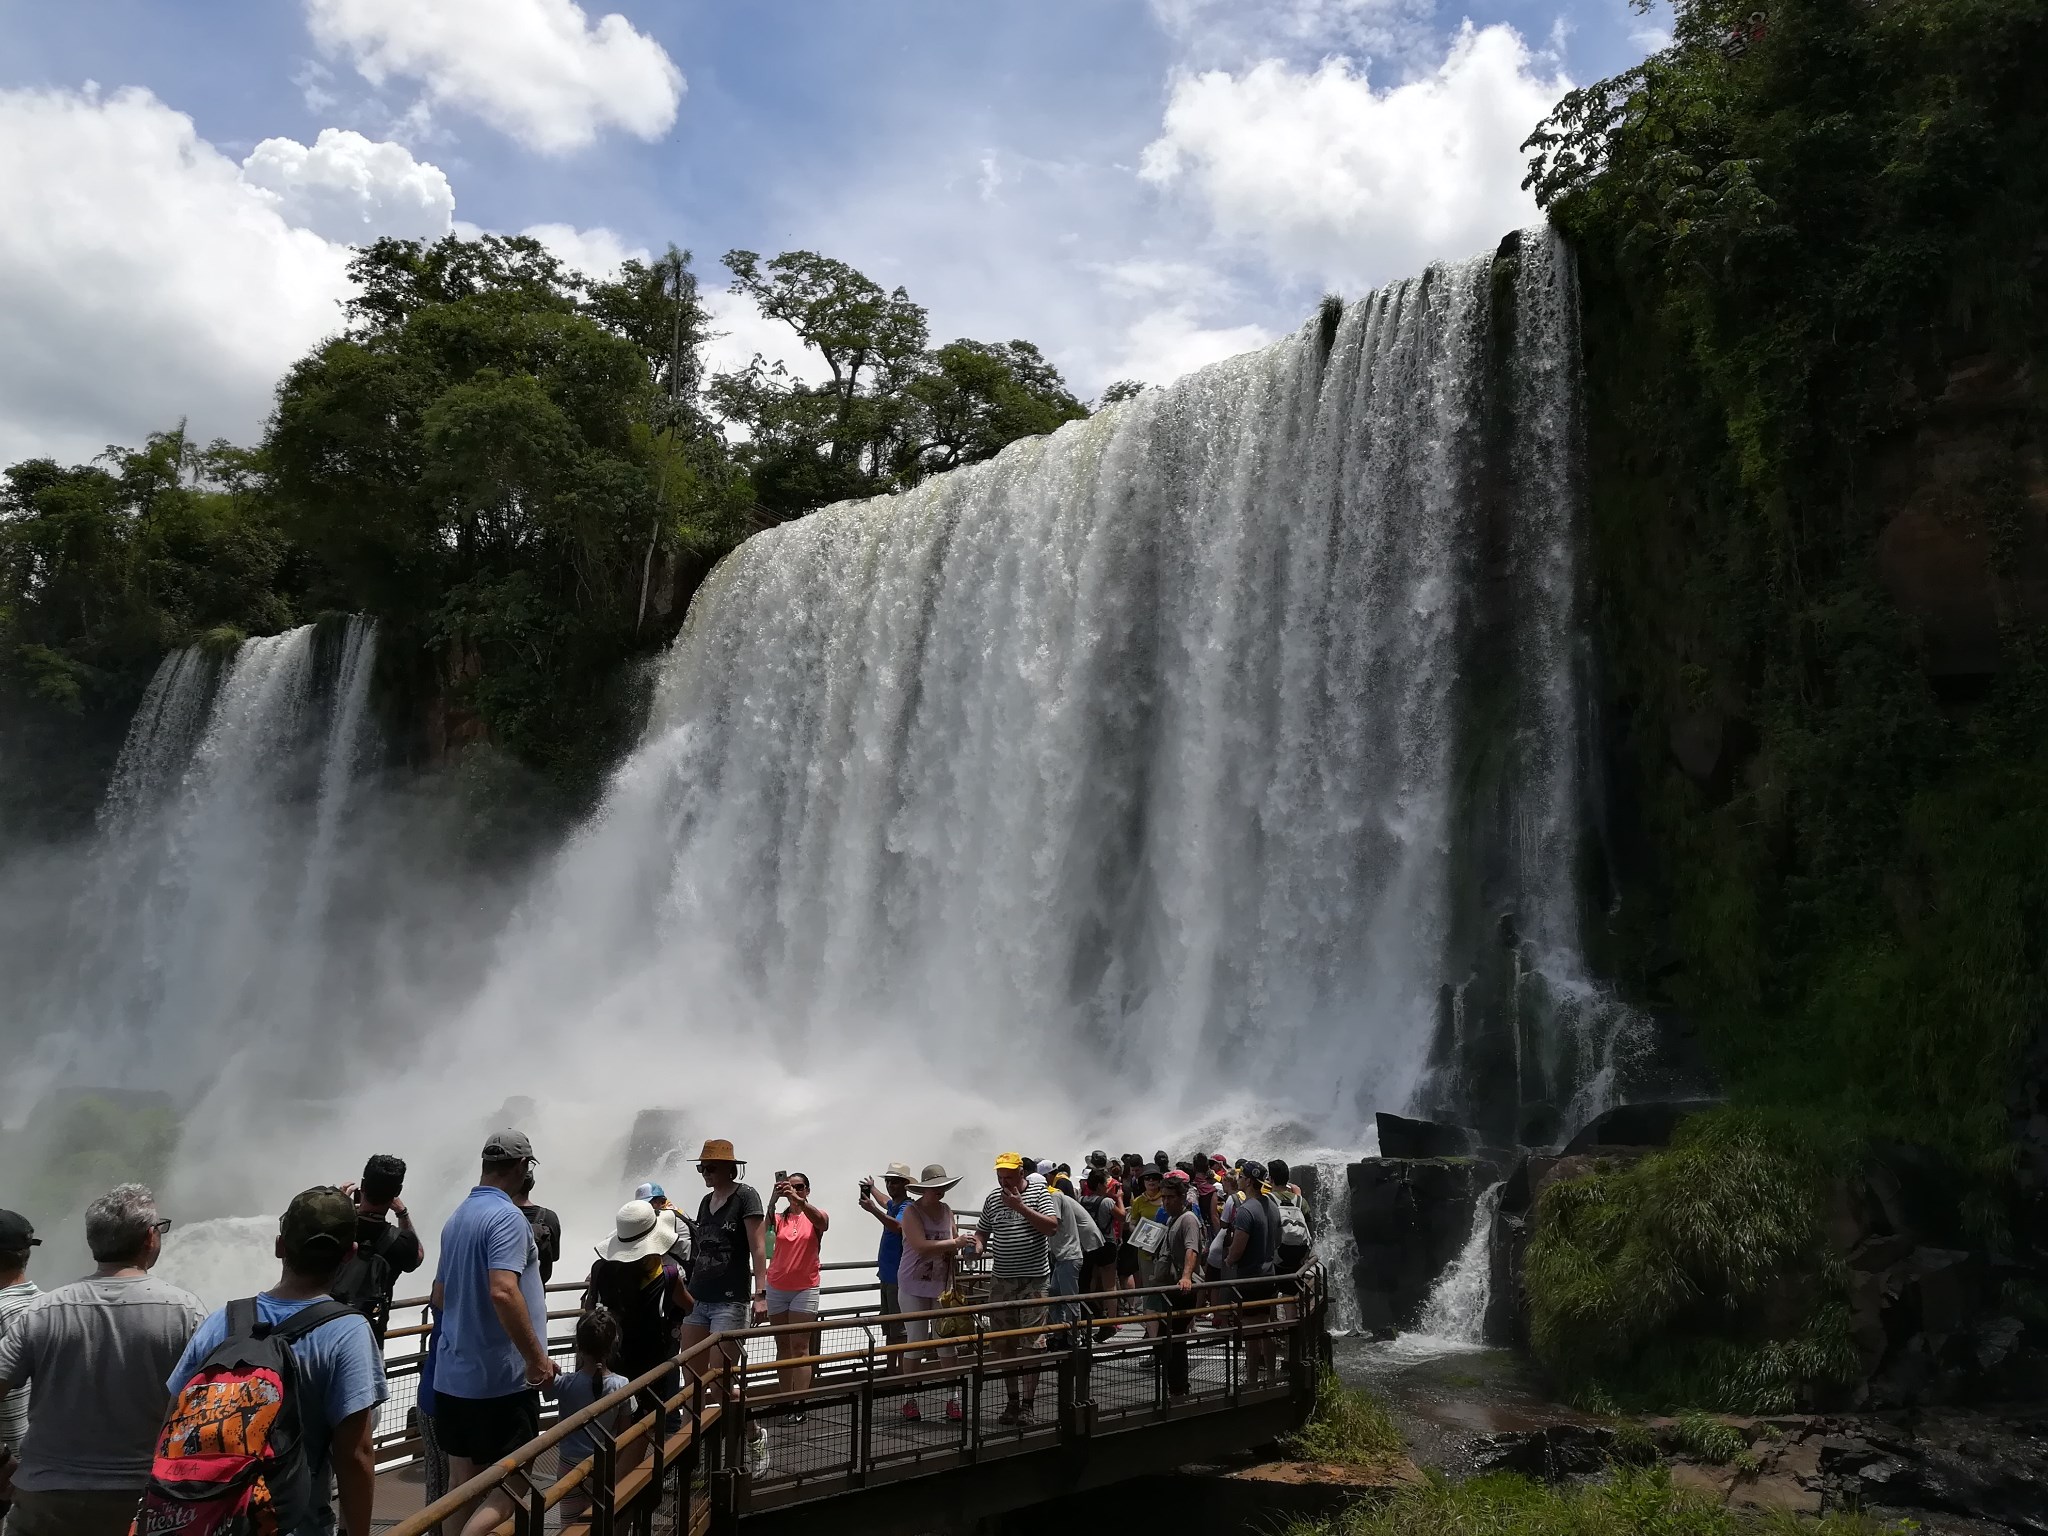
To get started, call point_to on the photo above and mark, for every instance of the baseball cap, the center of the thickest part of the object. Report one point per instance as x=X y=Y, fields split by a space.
x=18 y=1233
x=317 y=1217
x=649 y=1191
x=1255 y=1171
x=1177 y=1177
x=1009 y=1160
x=509 y=1147
x=1045 y=1168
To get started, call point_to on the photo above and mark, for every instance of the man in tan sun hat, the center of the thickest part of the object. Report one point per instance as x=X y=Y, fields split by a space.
x=730 y=1266
x=896 y=1179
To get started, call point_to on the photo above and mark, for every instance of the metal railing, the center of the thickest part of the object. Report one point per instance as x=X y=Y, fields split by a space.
x=734 y=1440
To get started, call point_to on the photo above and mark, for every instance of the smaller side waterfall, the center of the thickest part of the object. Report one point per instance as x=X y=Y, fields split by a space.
x=1329 y=1215
x=1456 y=1309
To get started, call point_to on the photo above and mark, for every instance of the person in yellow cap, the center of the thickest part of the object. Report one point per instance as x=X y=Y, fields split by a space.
x=1017 y=1222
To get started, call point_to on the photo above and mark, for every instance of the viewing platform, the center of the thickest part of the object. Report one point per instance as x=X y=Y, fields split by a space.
x=844 y=1454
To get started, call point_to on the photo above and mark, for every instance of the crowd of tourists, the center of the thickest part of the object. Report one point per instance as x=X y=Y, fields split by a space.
x=125 y=1406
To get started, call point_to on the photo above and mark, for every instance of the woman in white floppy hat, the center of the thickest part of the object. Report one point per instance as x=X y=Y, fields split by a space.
x=640 y=1283
x=931 y=1242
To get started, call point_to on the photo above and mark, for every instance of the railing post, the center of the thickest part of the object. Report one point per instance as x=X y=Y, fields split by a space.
x=1237 y=1363
x=976 y=1383
x=604 y=1478
x=864 y=1422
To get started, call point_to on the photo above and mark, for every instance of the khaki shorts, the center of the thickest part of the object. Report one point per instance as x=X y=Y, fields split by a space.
x=1005 y=1288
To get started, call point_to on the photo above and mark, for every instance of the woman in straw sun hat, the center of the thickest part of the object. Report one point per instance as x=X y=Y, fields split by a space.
x=730 y=1266
x=931 y=1243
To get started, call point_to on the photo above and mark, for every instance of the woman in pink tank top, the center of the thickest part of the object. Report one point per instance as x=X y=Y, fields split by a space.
x=931 y=1241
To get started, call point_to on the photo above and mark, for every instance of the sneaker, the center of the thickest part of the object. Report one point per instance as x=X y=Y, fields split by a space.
x=757 y=1457
x=1023 y=1419
x=953 y=1411
x=1009 y=1415
x=1105 y=1333
x=912 y=1412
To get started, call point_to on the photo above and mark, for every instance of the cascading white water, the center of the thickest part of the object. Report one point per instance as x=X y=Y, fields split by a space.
x=1106 y=789
x=1336 y=1246
x=218 y=842
x=1456 y=1310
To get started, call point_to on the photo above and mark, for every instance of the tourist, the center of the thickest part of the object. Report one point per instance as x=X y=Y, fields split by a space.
x=97 y=1353
x=597 y=1341
x=491 y=1361
x=1174 y=1265
x=1074 y=1244
x=17 y=1236
x=1295 y=1236
x=386 y=1244
x=1099 y=1271
x=1163 y=1163
x=932 y=1242
x=1017 y=1222
x=340 y=1365
x=657 y=1197
x=547 y=1227
x=1131 y=1262
x=793 y=1276
x=1248 y=1260
x=896 y=1179
x=729 y=1252
x=639 y=1282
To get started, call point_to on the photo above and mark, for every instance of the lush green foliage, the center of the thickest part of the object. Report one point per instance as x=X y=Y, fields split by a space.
x=1706 y=1437
x=1348 y=1426
x=1629 y=1502
x=1699 y=1276
x=1786 y=249
x=518 y=471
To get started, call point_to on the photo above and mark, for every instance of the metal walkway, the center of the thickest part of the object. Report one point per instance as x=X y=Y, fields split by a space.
x=740 y=1453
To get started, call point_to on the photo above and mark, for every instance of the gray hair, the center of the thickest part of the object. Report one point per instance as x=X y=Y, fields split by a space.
x=117 y=1224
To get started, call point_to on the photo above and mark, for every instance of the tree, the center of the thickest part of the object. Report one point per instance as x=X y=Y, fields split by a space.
x=976 y=398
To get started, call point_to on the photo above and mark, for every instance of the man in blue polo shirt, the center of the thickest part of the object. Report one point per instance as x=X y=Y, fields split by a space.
x=492 y=1360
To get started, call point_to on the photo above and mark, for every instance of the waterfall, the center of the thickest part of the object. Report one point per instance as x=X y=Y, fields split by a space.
x=1336 y=1247
x=218 y=845
x=1456 y=1309
x=1165 y=772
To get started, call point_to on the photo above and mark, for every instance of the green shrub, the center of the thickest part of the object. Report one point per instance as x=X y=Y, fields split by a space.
x=1630 y=1503
x=1697 y=1277
x=1348 y=1426
x=1706 y=1437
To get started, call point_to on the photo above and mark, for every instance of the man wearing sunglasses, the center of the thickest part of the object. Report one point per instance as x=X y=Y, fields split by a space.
x=98 y=1352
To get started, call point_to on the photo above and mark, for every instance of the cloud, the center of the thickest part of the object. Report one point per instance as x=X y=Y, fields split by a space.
x=594 y=252
x=352 y=189
x=1327 y=177
x=146 y=280
x=741 y=331
x=1229 y=33
x=1160 y=346
x=538 y=70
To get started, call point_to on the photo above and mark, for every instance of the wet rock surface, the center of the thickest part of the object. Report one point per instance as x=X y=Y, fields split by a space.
x=1410 y=1217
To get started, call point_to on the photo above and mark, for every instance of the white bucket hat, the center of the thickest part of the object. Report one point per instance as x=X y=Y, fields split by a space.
x=641 y=1230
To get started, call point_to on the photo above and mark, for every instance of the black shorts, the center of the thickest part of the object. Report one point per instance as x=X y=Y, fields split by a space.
x=1129 y=1260
x=892 y=1301
x=485 y=1428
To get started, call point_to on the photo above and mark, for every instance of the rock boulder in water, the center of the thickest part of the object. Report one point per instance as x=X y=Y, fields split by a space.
x=1403 y=1137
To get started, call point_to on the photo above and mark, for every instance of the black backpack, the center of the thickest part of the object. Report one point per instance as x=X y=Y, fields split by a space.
x=366 y=1281
x=231 y=1457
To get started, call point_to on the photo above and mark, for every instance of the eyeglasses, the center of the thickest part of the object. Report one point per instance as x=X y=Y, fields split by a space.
x=161 y=1225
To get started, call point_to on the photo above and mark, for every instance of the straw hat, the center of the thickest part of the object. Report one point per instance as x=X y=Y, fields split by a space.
x=719 y=1151
x=935 y=1177
x=897 y=1171
x=641 y=1231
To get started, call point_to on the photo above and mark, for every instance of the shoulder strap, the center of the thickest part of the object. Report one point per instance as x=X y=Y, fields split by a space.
x=306 y=1319
x=242 y=1318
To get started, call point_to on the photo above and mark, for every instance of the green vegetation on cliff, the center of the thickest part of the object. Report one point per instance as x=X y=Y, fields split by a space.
x=1813 y=282
x=518 y=470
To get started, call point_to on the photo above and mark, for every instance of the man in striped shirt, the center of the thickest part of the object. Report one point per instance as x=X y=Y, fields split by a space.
x=1017 y=1220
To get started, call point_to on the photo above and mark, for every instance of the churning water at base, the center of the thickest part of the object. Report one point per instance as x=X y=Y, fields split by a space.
x=1157 y=773
x=1456 y=1310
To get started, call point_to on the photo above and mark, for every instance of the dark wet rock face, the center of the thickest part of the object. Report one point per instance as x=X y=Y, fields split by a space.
x=1635 y=1125
x=1401 y=1136
x=1410 y=1217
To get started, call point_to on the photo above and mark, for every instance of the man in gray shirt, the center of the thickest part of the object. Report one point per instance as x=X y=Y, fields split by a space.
x=99 y=1352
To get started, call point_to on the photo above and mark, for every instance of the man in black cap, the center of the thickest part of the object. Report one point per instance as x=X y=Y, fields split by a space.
x=492 y=1360
x=340 y=1367
x=17 y=1236
x=386 y=1244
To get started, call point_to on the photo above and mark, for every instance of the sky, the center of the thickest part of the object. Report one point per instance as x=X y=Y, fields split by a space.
x=1138 y=186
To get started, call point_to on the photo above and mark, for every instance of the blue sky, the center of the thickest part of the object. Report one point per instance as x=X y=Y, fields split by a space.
x=1139 y=185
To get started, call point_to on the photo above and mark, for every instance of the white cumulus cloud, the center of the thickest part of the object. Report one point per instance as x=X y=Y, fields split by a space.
x=597 y=252
x=145 y=280
x=1328 y=177
x=539 y=70
x=352 y=189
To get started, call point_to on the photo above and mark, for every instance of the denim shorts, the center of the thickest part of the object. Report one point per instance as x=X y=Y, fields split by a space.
x=719 y=1316
x=780 y=1302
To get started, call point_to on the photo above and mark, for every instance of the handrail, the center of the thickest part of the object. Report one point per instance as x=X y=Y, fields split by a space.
x=1217 y=1296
